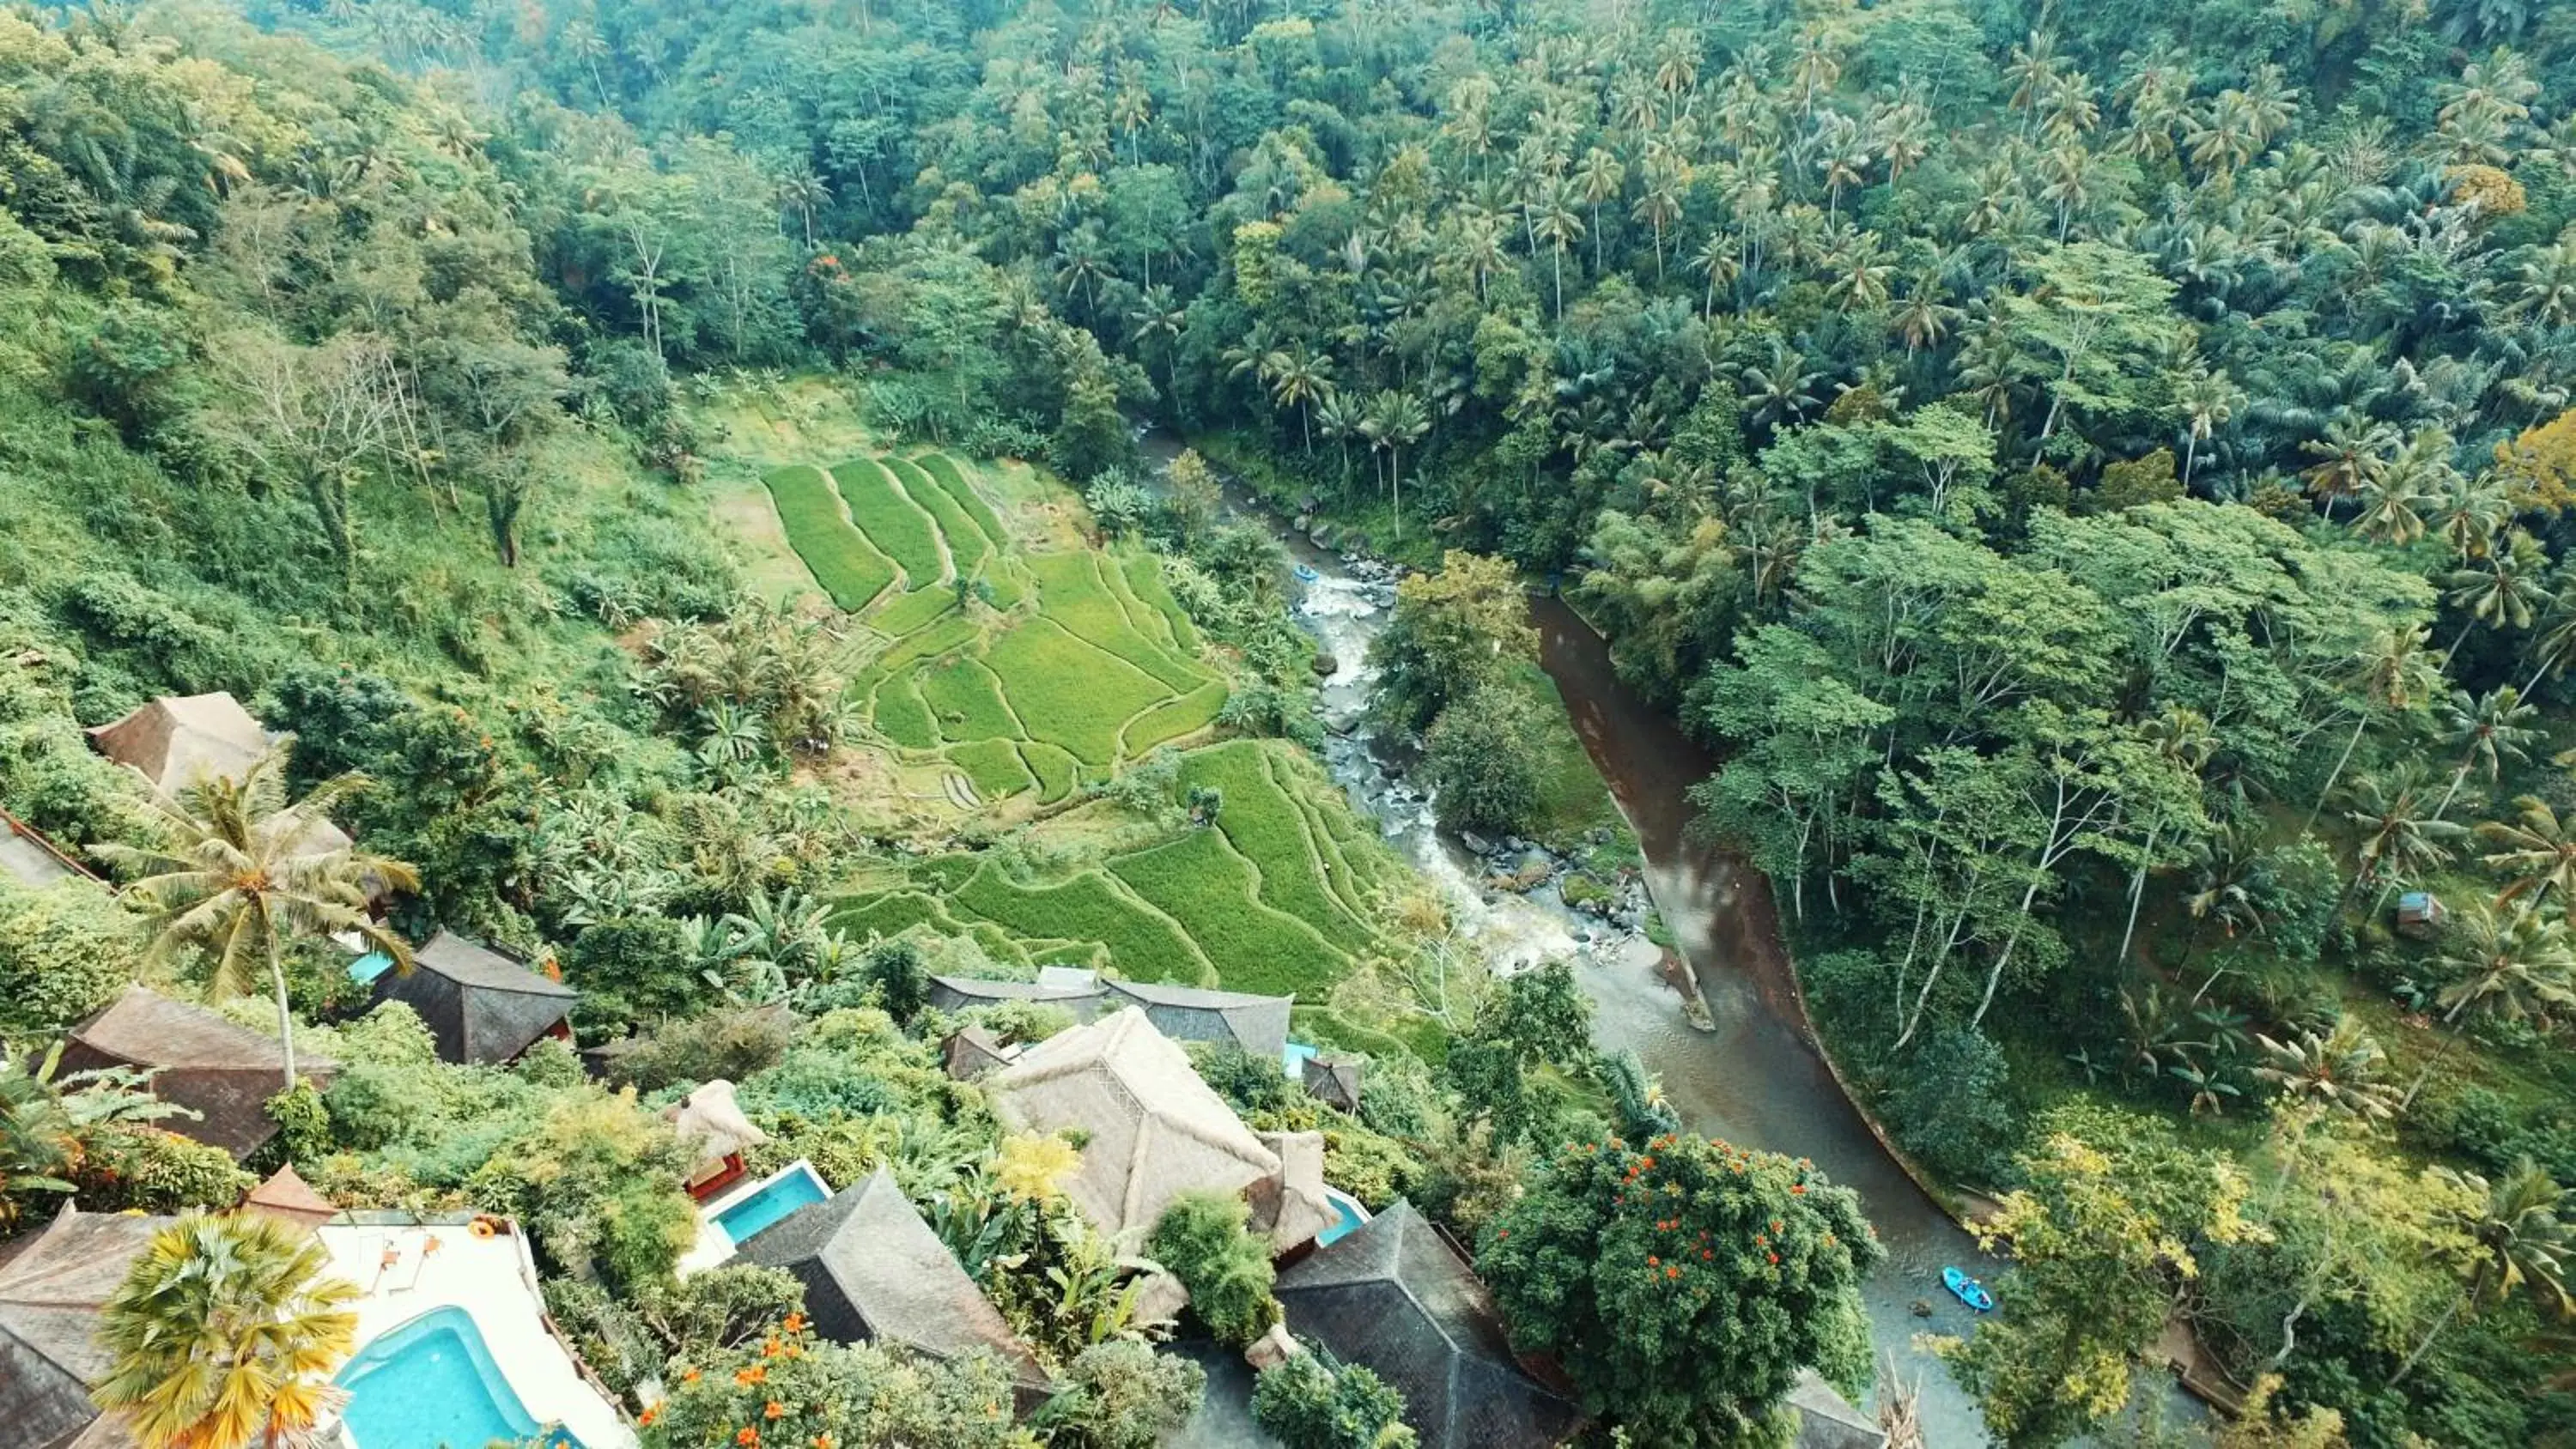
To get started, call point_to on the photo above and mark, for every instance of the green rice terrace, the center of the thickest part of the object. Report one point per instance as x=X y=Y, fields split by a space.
x=1005 y=668
x=1001 y=664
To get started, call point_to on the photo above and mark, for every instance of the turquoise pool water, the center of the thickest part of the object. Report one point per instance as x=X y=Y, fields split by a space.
x=431 y=1383
x=1293 y=1058
x=1347 y=1217
x=797 y=1187
x=367 y=968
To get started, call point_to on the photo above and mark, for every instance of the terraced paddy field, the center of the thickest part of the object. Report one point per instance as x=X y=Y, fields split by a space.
x=1005 y=665
x=1278 y=895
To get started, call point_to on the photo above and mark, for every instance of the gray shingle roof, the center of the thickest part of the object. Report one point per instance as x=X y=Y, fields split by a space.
x=1827 y=1420
x=965 y=993
x=872 y=1269
x=481 y=1006
x=1258 y=1024
x=1395 y=1296
x=50 y=1296
x=222 y=1072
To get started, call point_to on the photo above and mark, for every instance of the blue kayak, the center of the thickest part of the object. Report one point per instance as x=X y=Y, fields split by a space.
x=1969 y=1290
x=1305 y=574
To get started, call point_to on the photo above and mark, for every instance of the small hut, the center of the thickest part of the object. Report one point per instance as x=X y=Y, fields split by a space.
x=1257 y=1024
x=289 y=1199
x=483 y=1007
x=971 y=1052
x=2421 y=913
x=1333 y=1078
x=224 y=1073
x=874 y=1271
x=712 y=1120
x=51 y=1294
x=1395 y=1296
x=1155 y=1131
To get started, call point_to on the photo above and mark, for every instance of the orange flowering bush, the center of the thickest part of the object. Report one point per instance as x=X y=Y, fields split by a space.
x=790 y=1390
x=1682 y=1282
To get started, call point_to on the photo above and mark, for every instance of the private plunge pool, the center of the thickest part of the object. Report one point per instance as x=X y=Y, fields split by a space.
x=795 y=1186
x=1348 y=1215
x=432 y=1383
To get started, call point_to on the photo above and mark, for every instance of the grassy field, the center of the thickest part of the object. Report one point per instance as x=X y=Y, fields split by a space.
x=892 y=521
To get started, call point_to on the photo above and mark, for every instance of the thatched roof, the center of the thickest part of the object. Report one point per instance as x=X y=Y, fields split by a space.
x=1395 y=1296
x=1154 y=1131
x=222 y=1072
x=972 y=1051
x=873 y=1270
x=1827 y=1420
x=179 y=741
x=1290 y=1208
x=289 y=1199
x=50 y=1296
x=482 y=1006
x=1258 y=1024
x=965 y=993
x=1334 y=1080
x=710 y=1117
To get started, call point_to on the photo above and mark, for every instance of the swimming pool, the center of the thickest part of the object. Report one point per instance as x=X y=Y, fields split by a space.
x=1347 y=1217
x=432 y=1383
x=798 y=1185
x=1293 y=1058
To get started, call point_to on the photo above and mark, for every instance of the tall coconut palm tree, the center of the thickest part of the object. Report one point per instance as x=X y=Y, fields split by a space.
x=224 y=1335
x=2182 y=738
x=2400 y=838
x=2502 y=589
x=2508 y=965
x=2487 y=730
x=2205 y=401
x=2391 y=676
x=1553 y=220
x=2535 y=850
x=2339 y=1072
x=2351 y=454
x=2522 y=1243
x=237 y=870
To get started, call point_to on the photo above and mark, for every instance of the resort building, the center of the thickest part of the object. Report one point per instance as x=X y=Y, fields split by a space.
x=712 y=1120
x=181 y=740
x=288 y=1198
x=1151 y=1129
x=453 y=1345
x=971 y=1052
x=223 y=1073
x=52 y=1287
x=1395 y=1296
x=483 y=1007
x=1333 y=1078
x=874 y=1272
x=1257 y=1024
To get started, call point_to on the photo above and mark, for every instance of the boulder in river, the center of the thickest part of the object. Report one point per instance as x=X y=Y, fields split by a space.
x=1324 y=664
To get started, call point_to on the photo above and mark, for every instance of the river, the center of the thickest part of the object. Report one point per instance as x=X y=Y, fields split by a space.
x=1756 y=1079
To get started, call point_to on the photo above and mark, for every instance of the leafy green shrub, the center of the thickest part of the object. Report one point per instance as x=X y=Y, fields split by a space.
x=730 y=1046
x=145 y=1169
x=1122 y=1395
x=1203 y=1241
x=303 y=1123
x=1946 y=1104
x=899 y=529
x=1483 y=759
x=1312 y=1402
x=65 y=951
x=842 y=561
x=599 y=1179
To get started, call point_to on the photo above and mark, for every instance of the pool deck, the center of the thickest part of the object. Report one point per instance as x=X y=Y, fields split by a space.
x=714 y=1246
x=492 y=1280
